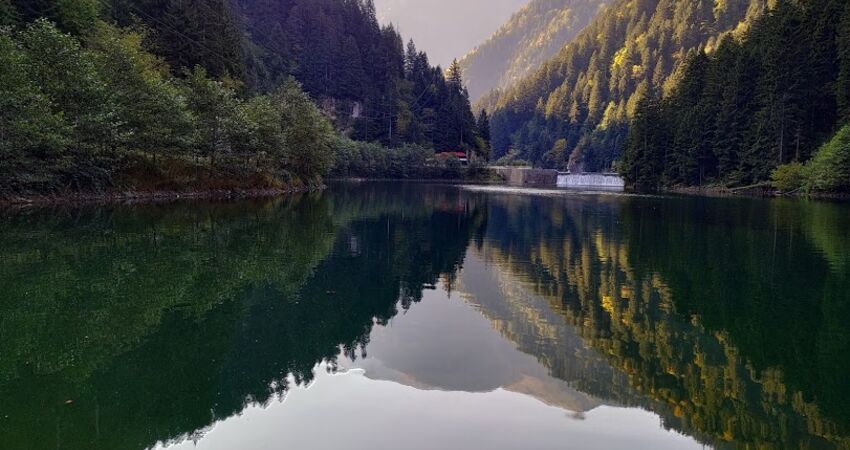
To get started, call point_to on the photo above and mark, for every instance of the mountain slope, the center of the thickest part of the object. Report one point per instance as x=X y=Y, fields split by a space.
x=573 y=111
x=358 y=72
x=420 y=19
x=768 y=99
x=534 y=34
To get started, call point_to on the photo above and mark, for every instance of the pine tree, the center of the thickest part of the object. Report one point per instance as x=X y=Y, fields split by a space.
x=643 y=160
x=455 y=76
x=843 y=82
x=410 y=59
x=484 y=127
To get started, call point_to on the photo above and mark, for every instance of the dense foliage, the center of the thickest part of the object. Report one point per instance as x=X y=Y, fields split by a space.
x=768 y=99
x=207 y=85
x=828 y=170
x=371 y=160
x=534 y=34
x=359 y=72
x=102 y=112
x=585 y=95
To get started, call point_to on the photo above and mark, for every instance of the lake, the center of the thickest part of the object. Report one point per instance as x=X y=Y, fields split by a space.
x=405 y=315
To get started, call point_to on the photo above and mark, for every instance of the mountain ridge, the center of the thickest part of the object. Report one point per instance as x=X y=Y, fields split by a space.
x=532 y=35
x=574 y=110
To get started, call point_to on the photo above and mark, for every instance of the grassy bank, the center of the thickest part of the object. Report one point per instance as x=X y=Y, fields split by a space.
x=144 y=178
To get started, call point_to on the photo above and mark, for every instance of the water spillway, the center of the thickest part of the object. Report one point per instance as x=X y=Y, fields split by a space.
x=531 y=177
x=602 y=181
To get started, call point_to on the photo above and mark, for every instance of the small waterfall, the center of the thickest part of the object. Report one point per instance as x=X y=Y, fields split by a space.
x=606 y=181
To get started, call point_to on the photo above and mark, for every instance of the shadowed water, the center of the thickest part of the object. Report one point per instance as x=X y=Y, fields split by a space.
x=419 y=316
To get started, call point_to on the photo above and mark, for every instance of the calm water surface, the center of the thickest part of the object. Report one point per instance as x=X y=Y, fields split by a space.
x=388 y=316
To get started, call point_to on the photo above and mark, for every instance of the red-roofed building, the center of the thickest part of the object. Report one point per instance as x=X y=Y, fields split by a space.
x=461 y=156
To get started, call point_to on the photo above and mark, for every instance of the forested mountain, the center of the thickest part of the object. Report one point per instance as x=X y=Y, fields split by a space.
x=98 y=94
x=573 y=111
x=752 y=105
x=534 y=34
x=360 y=73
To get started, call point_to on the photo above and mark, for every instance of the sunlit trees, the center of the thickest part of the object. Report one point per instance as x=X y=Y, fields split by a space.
x=586 y=93
x=531 y=36
x=829 y=169
x=643 y=162
x=764 y=100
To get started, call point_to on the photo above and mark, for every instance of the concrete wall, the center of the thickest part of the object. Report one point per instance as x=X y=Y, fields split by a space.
x=523 y=176
x=591 y=181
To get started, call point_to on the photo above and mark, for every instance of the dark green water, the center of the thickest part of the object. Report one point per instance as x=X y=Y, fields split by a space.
x=419 y=316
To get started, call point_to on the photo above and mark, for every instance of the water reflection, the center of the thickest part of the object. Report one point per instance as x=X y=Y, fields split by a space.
x=125 y=327
x=714 y=310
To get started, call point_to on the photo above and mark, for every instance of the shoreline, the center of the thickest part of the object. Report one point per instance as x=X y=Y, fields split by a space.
x=145 y=197
x=133 y=197
x=758 y=191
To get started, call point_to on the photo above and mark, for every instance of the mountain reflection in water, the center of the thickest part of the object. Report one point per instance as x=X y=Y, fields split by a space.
x=450 y=317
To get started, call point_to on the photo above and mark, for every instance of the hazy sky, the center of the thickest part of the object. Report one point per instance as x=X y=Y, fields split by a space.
x=446 y=29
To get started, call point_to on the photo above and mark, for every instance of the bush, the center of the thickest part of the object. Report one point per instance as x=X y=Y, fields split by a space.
x=829 y=169
x=789 y=177
x=372 y=160
x=512 y=159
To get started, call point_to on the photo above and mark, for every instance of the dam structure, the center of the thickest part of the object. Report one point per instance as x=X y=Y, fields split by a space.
x=591 y=181
x=547 y=178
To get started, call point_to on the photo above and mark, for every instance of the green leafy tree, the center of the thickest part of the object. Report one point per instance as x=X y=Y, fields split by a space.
x=213 y=104
x=307 y=135
x=68 y=76
x=829 y=170
x=33 y=138
x=152 y=115
x=258 y=134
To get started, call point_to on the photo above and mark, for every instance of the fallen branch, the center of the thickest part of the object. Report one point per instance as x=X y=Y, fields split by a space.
x=752 y=186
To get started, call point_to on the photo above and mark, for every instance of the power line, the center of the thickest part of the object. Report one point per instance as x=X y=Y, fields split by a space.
x=227 y=61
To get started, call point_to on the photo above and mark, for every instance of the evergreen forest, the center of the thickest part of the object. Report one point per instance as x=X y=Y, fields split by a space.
x=766 y=107
x=155 y=95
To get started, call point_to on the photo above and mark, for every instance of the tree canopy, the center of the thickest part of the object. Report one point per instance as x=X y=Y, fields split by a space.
x=766 y=99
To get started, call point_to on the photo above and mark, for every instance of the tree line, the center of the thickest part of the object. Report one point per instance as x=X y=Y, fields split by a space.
x=375 y=87
x=153 y=94
x=757 y=108
x=99 y=112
